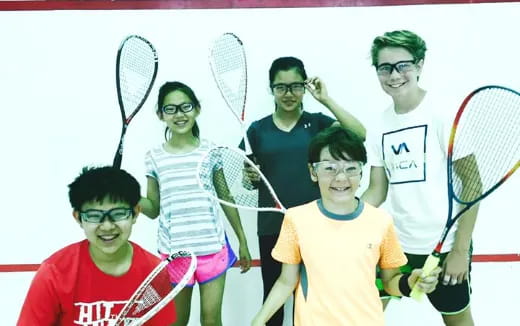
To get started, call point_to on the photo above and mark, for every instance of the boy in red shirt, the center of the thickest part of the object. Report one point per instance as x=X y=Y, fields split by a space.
x=89 y=282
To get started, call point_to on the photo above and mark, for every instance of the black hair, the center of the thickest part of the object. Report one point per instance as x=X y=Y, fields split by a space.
x=173 y=86
x=284 y=64
x=98 y=183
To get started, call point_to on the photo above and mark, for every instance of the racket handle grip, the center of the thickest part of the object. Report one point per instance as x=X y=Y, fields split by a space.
x=429 y=265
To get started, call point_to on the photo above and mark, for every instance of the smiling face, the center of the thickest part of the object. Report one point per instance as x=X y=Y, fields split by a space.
x=399 y=84
x=179 y=123
x=338 y=190
x=107 y=240
x=290 y=100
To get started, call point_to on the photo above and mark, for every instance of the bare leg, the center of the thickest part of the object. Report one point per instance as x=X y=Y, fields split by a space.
x=211 y=295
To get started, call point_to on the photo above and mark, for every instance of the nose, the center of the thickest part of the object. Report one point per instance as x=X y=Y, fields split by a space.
x=341 y=175
x=106 y=224
x=394 y=73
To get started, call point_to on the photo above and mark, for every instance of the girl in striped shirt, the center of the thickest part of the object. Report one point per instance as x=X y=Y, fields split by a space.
x=188 y=218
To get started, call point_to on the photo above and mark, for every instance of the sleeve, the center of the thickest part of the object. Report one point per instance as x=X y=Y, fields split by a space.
x=251 y=137
x=444 y=127
x=287 y=249
x=324 y=121
x=374 y=148
x=391 y=253
x=150 y=167
x=41 y=306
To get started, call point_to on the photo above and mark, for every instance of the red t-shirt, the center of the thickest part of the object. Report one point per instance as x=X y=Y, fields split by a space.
x=69 y=289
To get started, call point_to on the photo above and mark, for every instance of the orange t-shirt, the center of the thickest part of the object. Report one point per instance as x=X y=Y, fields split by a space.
x=339 y=254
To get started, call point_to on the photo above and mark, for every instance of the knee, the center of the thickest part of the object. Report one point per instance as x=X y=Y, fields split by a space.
x=210 y=321
x=463 y=318
x=210 y=317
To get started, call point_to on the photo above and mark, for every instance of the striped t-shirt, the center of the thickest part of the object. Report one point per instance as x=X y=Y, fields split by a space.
x=188 y=219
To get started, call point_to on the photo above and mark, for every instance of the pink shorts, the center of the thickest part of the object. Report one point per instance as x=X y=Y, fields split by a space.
x=209 y=267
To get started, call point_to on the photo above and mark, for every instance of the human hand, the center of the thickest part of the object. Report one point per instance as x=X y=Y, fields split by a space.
x=426 y=284
x=245 y=258
x=317 y=88
x=455 y=267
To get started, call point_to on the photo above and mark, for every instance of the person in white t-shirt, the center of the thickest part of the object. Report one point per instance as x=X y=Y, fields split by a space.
x=407 y=153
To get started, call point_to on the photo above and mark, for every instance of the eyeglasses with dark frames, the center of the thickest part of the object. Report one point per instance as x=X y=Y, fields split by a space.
x=173 y=109
x=98 y=216
x=282 y=89
x=386 y=69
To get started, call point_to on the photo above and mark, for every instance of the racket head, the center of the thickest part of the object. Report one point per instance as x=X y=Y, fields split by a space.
x=136 y=68
x=229 y=68
x=220 y=174
x=484 y=145
x=156 y=291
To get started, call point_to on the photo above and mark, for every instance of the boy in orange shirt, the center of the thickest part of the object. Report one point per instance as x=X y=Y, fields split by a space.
x=330 y=247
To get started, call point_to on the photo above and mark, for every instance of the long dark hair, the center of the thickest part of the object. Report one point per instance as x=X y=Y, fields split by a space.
x=173 y=86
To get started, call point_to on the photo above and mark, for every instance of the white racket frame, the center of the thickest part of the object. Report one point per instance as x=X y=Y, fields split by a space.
x=280 y=209
x=147 y=316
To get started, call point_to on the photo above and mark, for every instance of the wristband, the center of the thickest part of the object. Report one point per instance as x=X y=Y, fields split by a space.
x=403 y=285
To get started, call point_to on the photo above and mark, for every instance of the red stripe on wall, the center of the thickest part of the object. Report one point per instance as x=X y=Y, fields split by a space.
x=501 y=258
x=215 y=4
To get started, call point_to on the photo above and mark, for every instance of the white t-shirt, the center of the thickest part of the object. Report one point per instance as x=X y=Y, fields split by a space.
x=412 y=148
x=189 y=218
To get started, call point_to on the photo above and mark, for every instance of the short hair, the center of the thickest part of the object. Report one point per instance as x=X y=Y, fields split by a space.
x=285 y=64
x=408 y=40
x=340 y=141
x=98 y=183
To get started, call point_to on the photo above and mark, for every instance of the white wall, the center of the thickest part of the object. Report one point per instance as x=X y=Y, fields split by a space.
x=59 y=113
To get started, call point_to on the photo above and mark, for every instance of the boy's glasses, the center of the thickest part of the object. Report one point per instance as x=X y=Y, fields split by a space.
x=98 y=216
x=281 y=89
x=386 y=69
x=172 y=108
x=332 y=169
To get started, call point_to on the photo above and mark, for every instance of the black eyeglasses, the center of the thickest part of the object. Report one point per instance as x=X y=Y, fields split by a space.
x=281 y=89
x=386 y=69
x=172 y=108
x=98 y=216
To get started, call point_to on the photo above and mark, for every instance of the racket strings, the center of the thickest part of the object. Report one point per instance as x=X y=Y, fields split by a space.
x=228 y=64
x=222 y=175
x=161 y=286
x=486 y=146
x=136 y=71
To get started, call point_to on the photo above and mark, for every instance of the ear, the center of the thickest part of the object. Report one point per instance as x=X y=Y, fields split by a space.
x=76 y=217
x=420 y=66
x=159 y=115
x=314 y=177
x=137 y=210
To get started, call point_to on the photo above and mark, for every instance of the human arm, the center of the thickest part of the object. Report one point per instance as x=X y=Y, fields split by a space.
x=234 y=219
x=392 y=277
x=348 y=121
x=377 y=189
x=282 y=289
x=455 y=266
x=150 y=205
